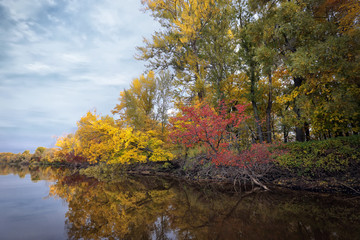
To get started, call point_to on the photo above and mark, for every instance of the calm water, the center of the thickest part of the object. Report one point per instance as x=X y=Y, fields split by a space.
x=55 y=204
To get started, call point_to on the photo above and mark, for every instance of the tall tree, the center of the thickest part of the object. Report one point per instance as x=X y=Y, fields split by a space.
x=136 y=107
x=247 y=61
x=164 y=95
x=195 y=42
x=308 y=42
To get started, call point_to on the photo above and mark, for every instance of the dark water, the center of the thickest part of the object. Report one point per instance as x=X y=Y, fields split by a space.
x=56 y=204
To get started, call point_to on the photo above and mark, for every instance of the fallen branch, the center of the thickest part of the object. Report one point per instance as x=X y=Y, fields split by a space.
x=345 y=185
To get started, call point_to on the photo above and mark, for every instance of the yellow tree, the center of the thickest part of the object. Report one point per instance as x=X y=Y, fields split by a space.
x=136 y=107
x=100 y=139
x=68 y=149
x=182 y=44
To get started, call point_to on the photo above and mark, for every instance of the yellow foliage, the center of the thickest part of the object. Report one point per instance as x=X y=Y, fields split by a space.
x=188 y=17
x=69 y=147
x=235 y=87
x=136 y=104
x=187 y=23
x=350 y=20
x=99 y=139
x=288 y=97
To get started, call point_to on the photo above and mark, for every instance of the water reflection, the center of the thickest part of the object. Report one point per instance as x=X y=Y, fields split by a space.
x=26 y=211
x=154 y=208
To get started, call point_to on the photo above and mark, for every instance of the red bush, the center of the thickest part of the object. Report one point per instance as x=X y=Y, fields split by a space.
x=213 y=128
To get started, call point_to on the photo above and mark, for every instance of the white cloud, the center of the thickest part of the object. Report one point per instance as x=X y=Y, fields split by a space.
x=52 y=2
x=23 y=31
x=39 y=68
x=105 y=20
x=22 y=9
x=63 y=60
x=74 y=58
x=73 y=6
x=116 y=79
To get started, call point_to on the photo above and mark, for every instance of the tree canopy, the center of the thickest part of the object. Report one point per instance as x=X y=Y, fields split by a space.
x=225 y=74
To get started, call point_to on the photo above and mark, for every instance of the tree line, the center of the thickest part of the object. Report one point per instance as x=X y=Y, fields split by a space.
x=295 y=62
x=226 y=78
x=287 y=69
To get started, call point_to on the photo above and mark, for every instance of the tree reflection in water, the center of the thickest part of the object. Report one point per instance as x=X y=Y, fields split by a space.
x=155 y=208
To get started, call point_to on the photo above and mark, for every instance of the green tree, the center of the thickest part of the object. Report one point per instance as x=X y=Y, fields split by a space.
x=304 y=37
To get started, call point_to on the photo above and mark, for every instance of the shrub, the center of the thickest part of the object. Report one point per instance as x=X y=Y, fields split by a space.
x=321 y=157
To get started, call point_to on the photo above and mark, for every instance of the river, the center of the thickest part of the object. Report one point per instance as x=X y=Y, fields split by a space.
x=49 y=203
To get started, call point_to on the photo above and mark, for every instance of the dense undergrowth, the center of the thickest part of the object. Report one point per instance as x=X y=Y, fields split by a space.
x=329 y=157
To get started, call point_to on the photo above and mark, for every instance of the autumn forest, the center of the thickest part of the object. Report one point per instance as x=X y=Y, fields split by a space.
x=233 y=90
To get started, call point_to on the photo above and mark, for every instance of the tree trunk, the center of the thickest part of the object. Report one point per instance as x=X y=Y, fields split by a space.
x=268 y=112
x=299 y=129
x=257 y=122
x=307 y=131
x=286 y=134
x=200 y=92
x=300 y=135
x=254 y=105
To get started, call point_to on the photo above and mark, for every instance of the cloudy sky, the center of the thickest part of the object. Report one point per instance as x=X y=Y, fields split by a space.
x=61 y=58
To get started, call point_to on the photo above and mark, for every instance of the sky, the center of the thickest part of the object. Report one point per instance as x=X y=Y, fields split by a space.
x=62 y=58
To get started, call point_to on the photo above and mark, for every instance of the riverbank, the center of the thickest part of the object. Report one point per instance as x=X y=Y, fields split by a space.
x=276 y=179
x=330 y=166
